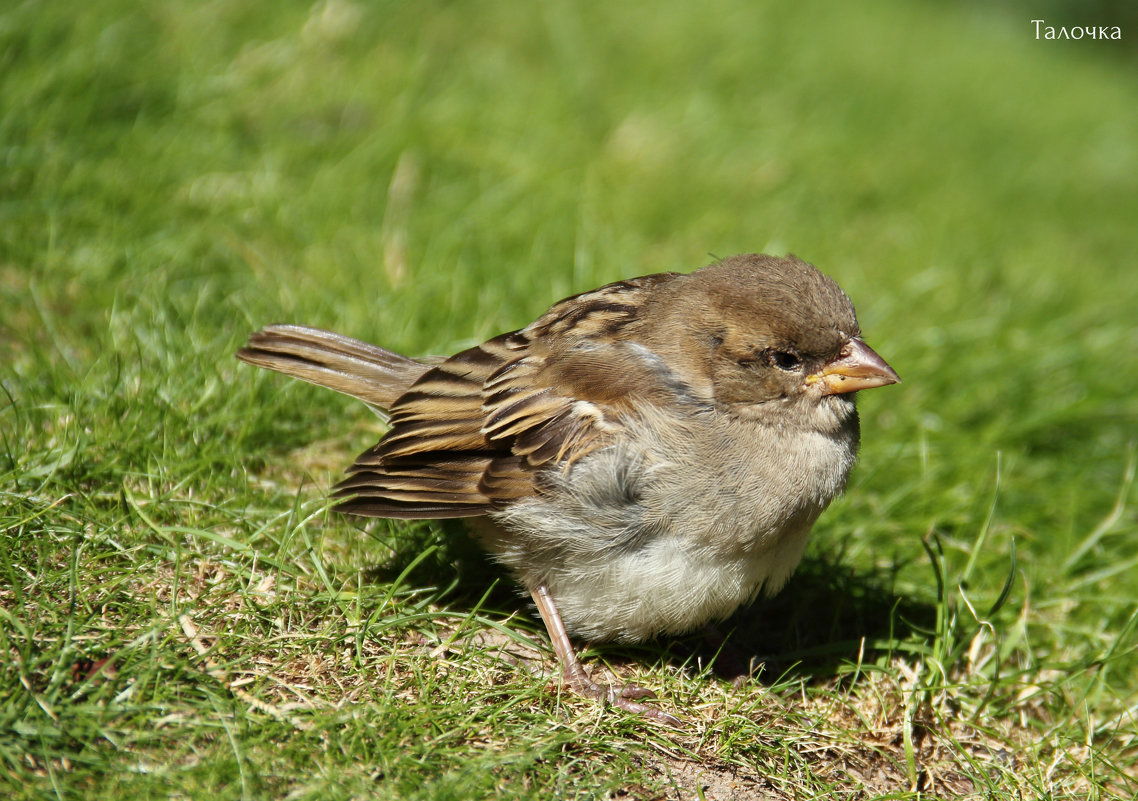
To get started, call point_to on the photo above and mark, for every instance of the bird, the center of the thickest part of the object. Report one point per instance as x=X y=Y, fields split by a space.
x=644 y=458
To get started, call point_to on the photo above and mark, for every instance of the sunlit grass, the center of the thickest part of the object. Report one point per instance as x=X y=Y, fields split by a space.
x=182 y=616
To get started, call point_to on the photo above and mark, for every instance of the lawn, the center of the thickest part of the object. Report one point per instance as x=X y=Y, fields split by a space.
x=182 y=615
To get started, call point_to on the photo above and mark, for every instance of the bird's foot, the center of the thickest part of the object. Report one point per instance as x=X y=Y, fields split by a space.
x=577 y=678
x=626 y=698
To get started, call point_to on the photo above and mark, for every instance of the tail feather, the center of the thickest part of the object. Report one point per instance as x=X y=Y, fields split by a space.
x=373 y=375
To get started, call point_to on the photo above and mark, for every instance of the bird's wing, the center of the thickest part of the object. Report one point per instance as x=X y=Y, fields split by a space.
x=475 y=432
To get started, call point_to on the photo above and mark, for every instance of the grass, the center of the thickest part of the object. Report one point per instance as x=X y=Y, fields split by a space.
x=181 y=615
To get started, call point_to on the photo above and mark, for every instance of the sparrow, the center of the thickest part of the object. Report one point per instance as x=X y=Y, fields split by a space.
x=644 y=458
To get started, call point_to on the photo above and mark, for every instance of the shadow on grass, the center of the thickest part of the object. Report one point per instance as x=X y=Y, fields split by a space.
x=827 y=616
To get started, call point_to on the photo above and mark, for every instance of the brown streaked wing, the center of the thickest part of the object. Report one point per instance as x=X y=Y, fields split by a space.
x=432 y=461
x=405 y=488
x=507 y=478
x=550 y=412
x=598 y=312
x=471 y=434
x=442 y=411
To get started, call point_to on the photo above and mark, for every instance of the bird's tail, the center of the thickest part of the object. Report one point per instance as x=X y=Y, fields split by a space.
x=374 y=375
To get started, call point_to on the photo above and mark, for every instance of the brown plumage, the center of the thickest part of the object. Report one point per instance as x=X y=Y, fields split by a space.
x=647 y=455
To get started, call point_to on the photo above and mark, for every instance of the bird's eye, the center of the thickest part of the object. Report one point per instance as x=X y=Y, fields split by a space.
x=784 y=359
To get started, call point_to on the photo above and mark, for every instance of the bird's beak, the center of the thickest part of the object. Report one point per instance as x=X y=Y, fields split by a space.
x=857 y=367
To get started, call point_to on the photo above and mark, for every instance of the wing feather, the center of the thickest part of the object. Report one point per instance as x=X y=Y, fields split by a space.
x=476 y=431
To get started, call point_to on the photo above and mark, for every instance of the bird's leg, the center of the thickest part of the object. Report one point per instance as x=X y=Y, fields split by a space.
x=574 y=674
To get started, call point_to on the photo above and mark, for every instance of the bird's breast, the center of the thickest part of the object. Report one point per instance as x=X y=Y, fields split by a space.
x=674 y=525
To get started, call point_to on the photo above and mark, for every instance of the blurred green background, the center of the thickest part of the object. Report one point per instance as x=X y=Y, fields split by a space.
x=425 y=175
